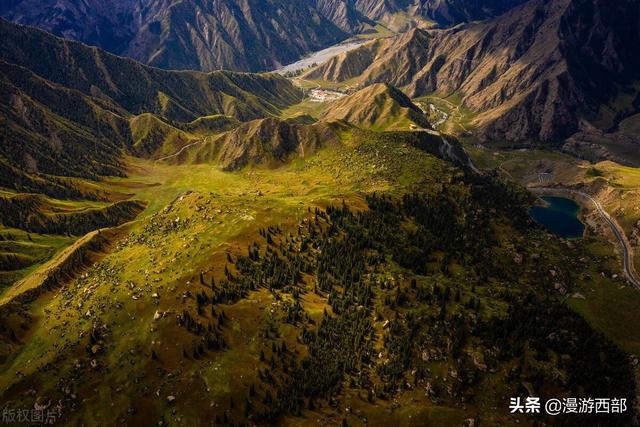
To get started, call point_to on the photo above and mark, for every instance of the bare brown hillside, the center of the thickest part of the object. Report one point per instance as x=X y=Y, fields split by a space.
x=530 y=74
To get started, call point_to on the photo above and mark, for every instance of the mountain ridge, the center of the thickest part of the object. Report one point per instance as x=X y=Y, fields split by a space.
x=379 y=107
x=69 y=104
x=241 y=35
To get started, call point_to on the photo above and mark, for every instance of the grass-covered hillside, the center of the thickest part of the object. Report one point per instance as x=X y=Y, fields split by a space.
x=367 y=283
x=378 y=107
x=69 y=108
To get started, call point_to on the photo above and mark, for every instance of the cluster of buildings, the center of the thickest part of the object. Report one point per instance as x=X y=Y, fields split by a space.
x=322 y=95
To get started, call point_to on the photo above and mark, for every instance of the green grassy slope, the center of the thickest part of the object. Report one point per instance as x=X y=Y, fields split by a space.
x=292 y=293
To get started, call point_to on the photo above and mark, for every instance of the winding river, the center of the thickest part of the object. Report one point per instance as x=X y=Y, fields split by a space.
x=322 y=55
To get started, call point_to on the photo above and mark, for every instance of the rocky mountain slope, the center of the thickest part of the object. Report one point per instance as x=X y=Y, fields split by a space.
x=377 y=10
x=530 y=74
x=451 y=12
x=443 y=12
x=247 y=35
x=69 y=106
x=344 y=15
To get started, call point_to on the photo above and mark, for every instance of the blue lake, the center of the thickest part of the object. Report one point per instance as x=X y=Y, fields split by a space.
x=560 y=217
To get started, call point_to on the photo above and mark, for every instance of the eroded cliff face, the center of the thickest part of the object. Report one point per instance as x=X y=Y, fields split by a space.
x=585 y=60
x=600 y=41
x=251 y=35
x=530 y=75
x=344 y=15
x=247 y=35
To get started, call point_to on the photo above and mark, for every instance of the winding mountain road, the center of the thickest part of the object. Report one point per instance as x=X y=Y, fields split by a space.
x=627 y=251
x=186 y=147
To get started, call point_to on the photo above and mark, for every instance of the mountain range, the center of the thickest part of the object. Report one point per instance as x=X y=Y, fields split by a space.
x=75 y=111
x=71 y=108
x=240 y=35
x=530 y=75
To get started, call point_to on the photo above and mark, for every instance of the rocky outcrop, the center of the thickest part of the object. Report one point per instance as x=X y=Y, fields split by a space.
x=342 y=14
x=451 y=12
x=377 y=9
x=443 y=12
